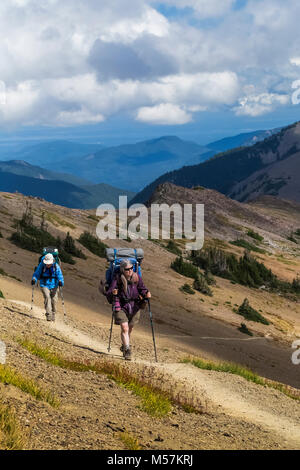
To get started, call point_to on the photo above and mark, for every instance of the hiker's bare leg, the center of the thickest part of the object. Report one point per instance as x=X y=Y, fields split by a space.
x=125 y=334
x=130 y=331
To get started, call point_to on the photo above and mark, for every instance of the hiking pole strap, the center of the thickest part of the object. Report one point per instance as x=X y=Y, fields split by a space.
x=152 y=328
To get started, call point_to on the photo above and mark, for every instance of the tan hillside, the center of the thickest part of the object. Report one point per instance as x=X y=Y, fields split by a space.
x=226 y=218
x=238 y=414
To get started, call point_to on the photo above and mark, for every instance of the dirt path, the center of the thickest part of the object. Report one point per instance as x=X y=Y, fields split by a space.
x=239 y=398
x=69 y=332
x=226 y=393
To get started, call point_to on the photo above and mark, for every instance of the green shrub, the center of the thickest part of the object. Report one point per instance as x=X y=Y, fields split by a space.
x=34 y=239
x=248 y=246
x=200 y=284
x=186 y=288
x=255 y=235
x=69 y=246
x=209 y=278
x=93 y=217
x=292 y=238
x=245 y=270
x=250 y=313
x=243 y=329
x=93 y=244
x=173 y=248
x=1 y=295
x=296 y=285
x=185 y=268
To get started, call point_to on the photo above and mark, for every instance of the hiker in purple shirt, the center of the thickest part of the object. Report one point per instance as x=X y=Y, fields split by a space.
x=129 y=293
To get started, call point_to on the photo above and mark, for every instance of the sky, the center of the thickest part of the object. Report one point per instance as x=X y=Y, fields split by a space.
x=114 y=72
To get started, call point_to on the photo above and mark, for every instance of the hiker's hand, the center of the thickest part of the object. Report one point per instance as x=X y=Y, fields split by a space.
x=33 y=282
x=60 y=283
x=115 y=292
x=148 y=295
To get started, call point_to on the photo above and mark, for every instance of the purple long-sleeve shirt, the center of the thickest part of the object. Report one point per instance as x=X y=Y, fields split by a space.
x=129 y=302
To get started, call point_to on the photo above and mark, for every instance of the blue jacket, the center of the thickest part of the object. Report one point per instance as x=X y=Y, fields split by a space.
x=48 y=277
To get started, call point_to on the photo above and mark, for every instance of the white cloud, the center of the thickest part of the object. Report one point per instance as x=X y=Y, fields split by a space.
x=165 y=114
x=256 y=105
x=71 y=118
x=127 y=30
x=19 y=102
x=62 y=64
x=295 y=61
x=203 y=8
x=271 y=14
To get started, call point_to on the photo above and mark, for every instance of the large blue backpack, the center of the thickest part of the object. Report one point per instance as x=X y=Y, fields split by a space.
x=54 y=252
x=50 y=250
x=116 y=255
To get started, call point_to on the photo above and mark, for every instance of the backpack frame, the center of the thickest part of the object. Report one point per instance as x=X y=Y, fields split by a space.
x=114 y=256
x=50 y=250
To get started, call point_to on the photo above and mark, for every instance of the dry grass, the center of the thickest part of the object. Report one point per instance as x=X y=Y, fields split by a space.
x=129 y=441
x=12 y=436
x=247 y=374
x=8 y=375
x=157 y=397
x=57 y=221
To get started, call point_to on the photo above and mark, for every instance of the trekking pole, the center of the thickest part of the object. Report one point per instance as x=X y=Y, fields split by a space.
x=32 y=298
x=62 y=300
x=111 y=327
x=150 y=314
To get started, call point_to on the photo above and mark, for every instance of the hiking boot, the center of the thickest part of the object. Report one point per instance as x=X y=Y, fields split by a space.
x=127 y=354
x=122 y=348
x=48 y=317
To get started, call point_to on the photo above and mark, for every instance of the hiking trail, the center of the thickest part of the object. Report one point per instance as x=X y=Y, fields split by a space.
x=224 y=392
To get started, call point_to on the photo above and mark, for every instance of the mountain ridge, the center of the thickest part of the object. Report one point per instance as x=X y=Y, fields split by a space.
x=227 y=171
x=61 y=191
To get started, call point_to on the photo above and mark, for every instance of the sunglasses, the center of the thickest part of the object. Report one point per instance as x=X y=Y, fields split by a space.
x=128 y=269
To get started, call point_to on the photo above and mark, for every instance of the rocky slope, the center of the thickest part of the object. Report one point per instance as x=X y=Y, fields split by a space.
x=91 y=410
x=226 y=218
x=90 y=415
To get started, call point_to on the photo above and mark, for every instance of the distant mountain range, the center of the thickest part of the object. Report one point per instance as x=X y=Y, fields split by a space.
x=22 y=168
x=65 y=190
x=271 y=166
x=241 y=140
x=133 y=166
x=86 y=166
x=129 y=166
x=47 y=154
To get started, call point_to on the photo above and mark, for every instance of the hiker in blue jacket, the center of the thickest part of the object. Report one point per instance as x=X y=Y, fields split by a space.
x=50 y=276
